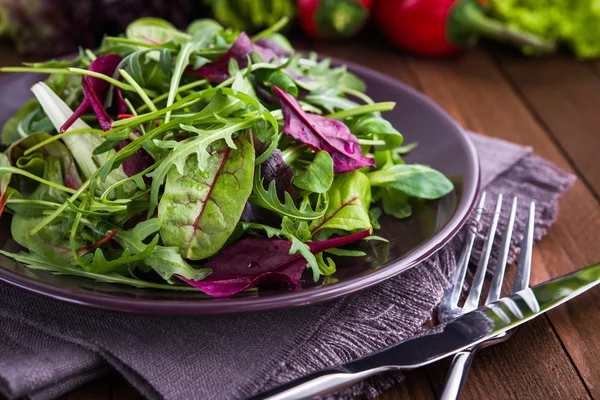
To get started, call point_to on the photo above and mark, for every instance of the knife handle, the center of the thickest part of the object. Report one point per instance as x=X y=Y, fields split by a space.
x=457 y=376
x=322 y=382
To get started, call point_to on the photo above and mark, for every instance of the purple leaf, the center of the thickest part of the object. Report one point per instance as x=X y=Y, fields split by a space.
x=272 y=45
x=252 y=260
x=92 y=99
x=107 y=65
x=138 y=161
x=276 y=169
x=240 y=50
x=320 y=133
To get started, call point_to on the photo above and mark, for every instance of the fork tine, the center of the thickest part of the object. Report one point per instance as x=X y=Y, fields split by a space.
x=472 y=301
x=463 y=262
x=496 y=286
x=524 y=266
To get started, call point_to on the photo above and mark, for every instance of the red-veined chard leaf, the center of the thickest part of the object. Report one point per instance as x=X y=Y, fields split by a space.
x=348 y=208
x=107 y=65
x=201 y=207
x=240 y=50
x=251 y=261
x=320 y=133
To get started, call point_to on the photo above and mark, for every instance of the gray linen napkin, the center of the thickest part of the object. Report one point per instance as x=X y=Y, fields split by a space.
x=48 y=348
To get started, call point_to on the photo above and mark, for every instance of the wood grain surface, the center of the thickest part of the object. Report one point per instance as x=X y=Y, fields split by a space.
x=553 y=105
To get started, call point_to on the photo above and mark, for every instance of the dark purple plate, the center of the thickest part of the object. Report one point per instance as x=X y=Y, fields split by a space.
x=444 y=145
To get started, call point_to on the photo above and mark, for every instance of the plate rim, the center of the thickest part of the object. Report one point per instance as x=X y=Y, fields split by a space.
x=243 y=305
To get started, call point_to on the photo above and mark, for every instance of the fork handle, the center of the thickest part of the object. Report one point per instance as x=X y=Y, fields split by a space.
x=457 y=375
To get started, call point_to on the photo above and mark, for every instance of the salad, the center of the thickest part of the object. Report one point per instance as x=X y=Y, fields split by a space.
x=201 y=160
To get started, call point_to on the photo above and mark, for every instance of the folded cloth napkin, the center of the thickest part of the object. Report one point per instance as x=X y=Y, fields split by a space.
x=48 y=348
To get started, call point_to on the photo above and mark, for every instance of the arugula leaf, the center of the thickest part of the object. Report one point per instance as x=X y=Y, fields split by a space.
x=269 y=199
x=413 y=179
x=201 y=207
x=348 y=209
x=59 y=267
x=318 y=176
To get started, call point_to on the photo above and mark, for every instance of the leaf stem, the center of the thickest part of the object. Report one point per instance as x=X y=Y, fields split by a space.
x=60 y=209
x=179 y=90
x=138 y=89
x=364 y=109
x=60 y=136
x=18 y=171
x=276 y=27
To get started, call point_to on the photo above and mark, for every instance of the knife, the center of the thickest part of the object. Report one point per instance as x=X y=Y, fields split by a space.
x=444 y=340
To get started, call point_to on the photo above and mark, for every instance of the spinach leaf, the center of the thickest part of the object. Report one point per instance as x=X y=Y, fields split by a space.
x=373 y=124
x=155 y=31
x=318 y=176
x=201 y=207
x=413 y=179
x=348 y=209
x=395 y=203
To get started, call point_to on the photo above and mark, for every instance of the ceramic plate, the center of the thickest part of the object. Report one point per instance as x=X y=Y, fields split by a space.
x=444 y=145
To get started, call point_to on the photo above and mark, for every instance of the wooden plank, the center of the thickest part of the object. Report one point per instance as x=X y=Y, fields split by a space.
x=564 y=94
x=478 y=96
x=415 y=387
x=474 y=92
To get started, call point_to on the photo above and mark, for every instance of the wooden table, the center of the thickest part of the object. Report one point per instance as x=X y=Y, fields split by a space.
x=553 y=105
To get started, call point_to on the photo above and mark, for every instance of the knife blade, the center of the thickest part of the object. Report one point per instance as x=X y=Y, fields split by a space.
x=445 y=340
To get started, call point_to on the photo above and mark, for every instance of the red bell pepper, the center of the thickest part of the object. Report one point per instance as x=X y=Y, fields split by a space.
x=331 y=19
x=444 y=27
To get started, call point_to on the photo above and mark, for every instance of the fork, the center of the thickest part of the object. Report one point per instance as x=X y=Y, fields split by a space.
x=449 y=309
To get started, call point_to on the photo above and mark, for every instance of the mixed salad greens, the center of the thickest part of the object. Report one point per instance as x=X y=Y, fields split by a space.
x=200 y=160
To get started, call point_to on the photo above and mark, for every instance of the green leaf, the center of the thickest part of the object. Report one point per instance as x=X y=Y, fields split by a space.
x=10 y=130
x=100 y=265
x=201 y=207
x=80 y=145
x=373 y=124
x=413 y=179
x=395 y=203
x=326 y=266
x=205 y=26
x=318 y=176
x=59 y=267
x=374 y=215
x=155 y=31
x=269 y=199
x=348 y=209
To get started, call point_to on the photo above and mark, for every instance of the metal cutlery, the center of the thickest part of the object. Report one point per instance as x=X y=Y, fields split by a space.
x=449 y=308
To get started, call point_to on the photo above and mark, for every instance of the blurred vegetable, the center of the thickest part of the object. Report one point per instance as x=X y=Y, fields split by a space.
x=575 y=23
x=444 y=27
x=333 y=18
x=250 y=15
x=50 y=27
